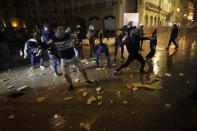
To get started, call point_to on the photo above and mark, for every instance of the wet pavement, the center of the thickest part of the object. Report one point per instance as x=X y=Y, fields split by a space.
x=45 y=104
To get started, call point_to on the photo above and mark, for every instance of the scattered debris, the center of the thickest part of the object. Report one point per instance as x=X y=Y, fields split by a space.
x=85 y=94
x=10 y=87
x=99 y=103
x=82 y=90
x=137 y=85
x=91 y=100
x=125 y=102
x=168 y=74
x=135 y=89
x=22 y=88
x=98 y=89
x=181 y=74
x=128 y=69
x=168 y=106
x=6 y=79
x=129 y=86
x=40 y=99
x=98 y=69
x=85 y=126
x=118 y=93
x=188 y=82
x=11 y=117
x=131 y=76
x=67 y=99
x=100 y=98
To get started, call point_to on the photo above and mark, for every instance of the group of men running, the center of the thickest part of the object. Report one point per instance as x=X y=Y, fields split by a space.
x=65 y=46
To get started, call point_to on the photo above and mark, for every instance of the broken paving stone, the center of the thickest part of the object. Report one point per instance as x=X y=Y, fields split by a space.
x=168 y=106
x=181 y=74
x=111 y=101
x=131 y=76
x=135 y=89
x=67 y=99
x=10 y=87
x=98 y=89
x=128 y=86
x=100 y=98
x=85 y=126
x=40 y=99
x=160 y=88
x=85 y=94
x=11 y=117
x=91 y=100
x=118 y=93
x=5 y=79
x=98 y=69
x=168 y=74
x=138 y=85
x=128 y=69
x=125 y=102
x=82 y=90
x=99 y=103
x=23 y=88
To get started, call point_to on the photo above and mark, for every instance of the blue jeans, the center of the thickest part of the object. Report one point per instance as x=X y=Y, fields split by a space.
x=102 y=49
x=54 y=64
x=31 y=52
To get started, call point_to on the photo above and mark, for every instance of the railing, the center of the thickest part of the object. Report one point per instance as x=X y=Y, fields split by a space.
x=97 y=6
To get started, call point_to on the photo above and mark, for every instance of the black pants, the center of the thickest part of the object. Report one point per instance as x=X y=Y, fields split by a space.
x=131 y=57
x=116 y=51
x=151 y=53
x=172 y=40
x=92 y=47
x=141 y=44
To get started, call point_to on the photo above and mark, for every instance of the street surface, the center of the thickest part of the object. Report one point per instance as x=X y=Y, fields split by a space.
x=46 y=105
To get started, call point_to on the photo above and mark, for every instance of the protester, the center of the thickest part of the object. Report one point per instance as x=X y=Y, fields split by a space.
x=90 y=36
x=153 y=44
x=47 y=35
x=33 y=48
x=118 y=40
x=173 y=36
x=133 y=48
x=62 y=40
x=102 y=48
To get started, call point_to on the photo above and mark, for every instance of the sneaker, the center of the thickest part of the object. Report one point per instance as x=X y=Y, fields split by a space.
x=89 y=82
x=176 y=47
x=167 y=48
x=114 y=73
x=42 y=67
x=56 y=74
x=71 y=88
x=32 y=68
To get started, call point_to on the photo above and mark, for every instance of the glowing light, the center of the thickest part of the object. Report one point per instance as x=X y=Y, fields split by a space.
x=190 y=17
x=185 y=15
x=4 y=24
x=178 y=10
x=24 y=25
x=170 y=24
x=14 y=24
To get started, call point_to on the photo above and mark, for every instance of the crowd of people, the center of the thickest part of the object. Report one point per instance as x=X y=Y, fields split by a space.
x=64 y=47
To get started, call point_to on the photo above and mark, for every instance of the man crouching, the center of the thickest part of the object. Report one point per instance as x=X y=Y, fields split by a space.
x=63 y=42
